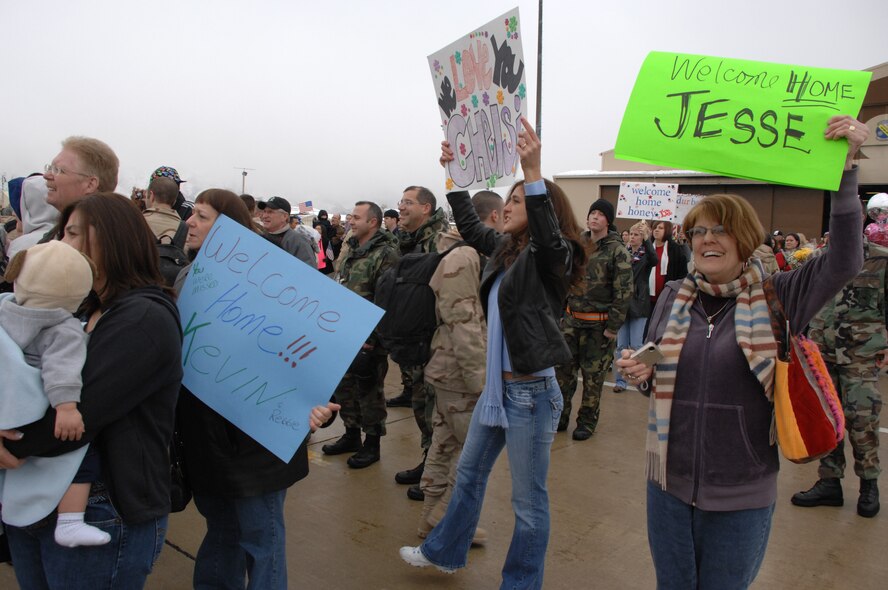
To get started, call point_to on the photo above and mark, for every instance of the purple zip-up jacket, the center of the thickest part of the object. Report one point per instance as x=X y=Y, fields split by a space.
x=720 y=457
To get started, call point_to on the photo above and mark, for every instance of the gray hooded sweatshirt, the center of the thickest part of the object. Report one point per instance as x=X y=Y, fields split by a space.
x=54 y=341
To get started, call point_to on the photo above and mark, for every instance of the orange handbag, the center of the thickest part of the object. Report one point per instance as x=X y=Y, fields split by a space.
x=807 y=411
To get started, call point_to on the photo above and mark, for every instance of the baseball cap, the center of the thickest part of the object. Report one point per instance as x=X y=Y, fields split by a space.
x=279 y=203
x=167 y=171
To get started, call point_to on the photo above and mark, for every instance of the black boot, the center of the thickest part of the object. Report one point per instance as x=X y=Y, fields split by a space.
x=416 y=493
x=411 y=476
x=405 y=400
x=826 y=492
x=347 y=443
x=368 y=455
x=868 y=502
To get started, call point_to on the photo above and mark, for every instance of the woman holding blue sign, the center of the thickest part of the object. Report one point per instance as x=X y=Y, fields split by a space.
x=239 y=486
x=523 y=289
x=711 y=463
x=130 y=379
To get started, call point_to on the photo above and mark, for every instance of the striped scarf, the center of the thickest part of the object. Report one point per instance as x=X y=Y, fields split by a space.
x=752 y=324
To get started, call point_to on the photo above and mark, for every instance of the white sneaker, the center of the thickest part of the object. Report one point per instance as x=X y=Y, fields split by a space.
x=414 y=557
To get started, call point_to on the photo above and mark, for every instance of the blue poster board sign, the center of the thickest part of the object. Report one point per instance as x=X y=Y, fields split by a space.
x=266 y=337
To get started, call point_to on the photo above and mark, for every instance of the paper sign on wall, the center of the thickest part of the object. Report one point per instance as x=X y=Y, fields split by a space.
x=740 y=118
x=647 y=200
x=266 y=337
x=481 y=90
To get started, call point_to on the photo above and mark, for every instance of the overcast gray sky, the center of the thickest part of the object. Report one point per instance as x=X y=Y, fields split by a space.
x=333 y=101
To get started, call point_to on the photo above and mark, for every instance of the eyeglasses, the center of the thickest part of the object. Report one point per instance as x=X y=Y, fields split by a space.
x=55 y=170
x=406 y=203
x=698 y=232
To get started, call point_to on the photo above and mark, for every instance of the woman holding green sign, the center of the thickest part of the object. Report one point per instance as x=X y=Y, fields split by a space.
x=523 y=290
x=711 y=464
x=239 y=486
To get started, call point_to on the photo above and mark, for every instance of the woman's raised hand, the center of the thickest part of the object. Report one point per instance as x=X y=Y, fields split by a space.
x=446 y=153
x=850 y=128
x=529 y=148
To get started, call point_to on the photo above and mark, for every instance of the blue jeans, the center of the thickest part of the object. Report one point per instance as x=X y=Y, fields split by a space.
x=245 y=540
x=125 y=562
x=695 y=548
x=631 y=335
x=533 y=409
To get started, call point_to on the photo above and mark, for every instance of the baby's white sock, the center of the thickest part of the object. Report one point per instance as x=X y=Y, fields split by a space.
x=71 y=531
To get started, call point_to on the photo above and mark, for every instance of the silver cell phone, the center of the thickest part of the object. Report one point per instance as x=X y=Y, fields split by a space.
x=648 y=355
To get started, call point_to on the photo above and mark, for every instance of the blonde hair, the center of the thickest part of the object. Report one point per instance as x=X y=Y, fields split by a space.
x=642 y=228
x=97 y=158
x=736 y=215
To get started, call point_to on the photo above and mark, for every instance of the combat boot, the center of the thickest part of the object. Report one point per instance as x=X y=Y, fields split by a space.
x=349 y=442
x=416 y=493
x=405 y=400
x=411 y=476
x=826 y=492
x=868 y=502
x=368 y=455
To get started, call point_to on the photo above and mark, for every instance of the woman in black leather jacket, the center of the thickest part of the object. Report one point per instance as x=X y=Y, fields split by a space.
x=523 y=289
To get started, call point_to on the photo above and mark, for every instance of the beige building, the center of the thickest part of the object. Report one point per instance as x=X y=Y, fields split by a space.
x=779 y=207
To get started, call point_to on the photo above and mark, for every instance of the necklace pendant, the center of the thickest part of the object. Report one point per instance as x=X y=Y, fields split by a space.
x=709 y=333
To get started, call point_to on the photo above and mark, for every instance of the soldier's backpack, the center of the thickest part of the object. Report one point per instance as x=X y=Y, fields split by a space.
x=410 y=320
x=172 y=256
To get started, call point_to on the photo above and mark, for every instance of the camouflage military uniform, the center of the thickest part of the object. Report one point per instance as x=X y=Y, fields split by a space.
x=455 y=371
x=361 y=391
x=605 y=290
x=850 y=331
x=423 y=239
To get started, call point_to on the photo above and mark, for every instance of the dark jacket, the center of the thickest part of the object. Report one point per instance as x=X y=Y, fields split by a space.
x=720 y=456
x=534 y=288
x=131 y=379
x=425 y=238
x=222 y=461
x=640 y=303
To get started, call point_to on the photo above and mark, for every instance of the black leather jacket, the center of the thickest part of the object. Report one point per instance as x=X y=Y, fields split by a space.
x=534 y=288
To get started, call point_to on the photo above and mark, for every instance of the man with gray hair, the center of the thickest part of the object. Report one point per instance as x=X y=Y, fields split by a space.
x=275 y=216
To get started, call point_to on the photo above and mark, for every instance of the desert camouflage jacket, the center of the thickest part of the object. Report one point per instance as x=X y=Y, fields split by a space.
x=607 y=286
x=362 y=266
x=424 y=239
x=459 y=346
x=851 y=328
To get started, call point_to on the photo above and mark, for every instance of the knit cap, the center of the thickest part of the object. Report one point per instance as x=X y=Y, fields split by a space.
x=605 y=208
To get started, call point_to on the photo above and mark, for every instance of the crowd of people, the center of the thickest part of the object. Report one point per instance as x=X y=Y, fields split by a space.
x=524 y=300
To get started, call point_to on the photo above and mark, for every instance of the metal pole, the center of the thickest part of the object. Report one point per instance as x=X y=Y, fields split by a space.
x=244 y=182
x=539 y=101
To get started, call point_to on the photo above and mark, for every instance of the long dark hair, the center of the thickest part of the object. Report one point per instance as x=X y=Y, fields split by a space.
x=570 y=230
x=127 y=257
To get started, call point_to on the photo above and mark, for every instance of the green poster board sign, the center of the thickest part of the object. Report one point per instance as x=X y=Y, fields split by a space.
x=739 y=118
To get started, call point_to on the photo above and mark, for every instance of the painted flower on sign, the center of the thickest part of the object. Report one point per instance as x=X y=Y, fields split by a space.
x=475 y=100
x=464 y=110
x=458 y=57
x=499 y=96
x=522 y=91
x=486 y=98
x=449 y=183
x=462 y=149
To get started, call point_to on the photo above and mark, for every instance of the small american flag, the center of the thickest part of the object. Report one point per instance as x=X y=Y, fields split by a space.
x=305 y=207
